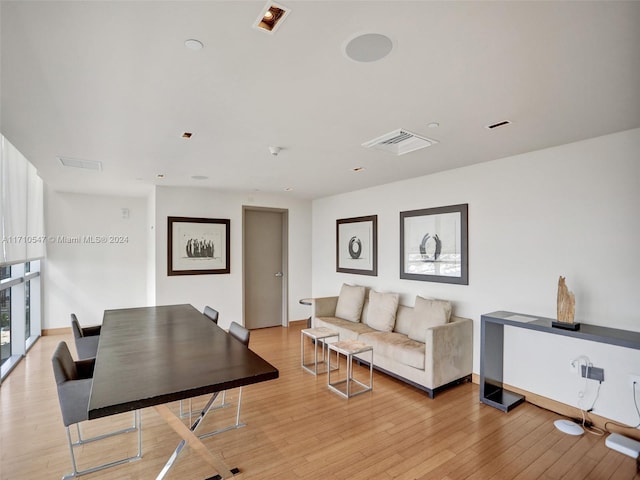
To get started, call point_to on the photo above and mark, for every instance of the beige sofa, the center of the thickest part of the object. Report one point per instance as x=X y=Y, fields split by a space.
x=445 y=357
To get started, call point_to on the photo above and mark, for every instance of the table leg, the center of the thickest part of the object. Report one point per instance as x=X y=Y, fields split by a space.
x=191 y=439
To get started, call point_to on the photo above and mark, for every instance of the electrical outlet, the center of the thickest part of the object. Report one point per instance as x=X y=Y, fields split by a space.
x=634 y=378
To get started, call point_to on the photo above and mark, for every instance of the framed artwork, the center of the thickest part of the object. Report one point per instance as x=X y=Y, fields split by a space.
x=357 y=245
x=198 y=246
x=434 y=244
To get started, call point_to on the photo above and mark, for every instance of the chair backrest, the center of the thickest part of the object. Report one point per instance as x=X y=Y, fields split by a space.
x=64 y=368
x=211 y=313
x=239 y=332
x=75 y=326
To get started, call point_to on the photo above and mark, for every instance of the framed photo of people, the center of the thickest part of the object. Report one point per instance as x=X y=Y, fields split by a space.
x=197 y=246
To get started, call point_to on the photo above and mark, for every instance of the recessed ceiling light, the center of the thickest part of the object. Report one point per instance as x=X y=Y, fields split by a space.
x=271 y=17
x=288 y=189
x=199 y=177
x=160 y=175
x=193 y=44
x=187 y=135
x=357 y=169
x=369 y=47
x=433 y=125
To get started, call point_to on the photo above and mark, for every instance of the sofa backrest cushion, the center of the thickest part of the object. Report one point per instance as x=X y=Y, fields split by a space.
x=381 y=312
x=404 y=319
x=428 y=313
x=350 y=301
x=365 y=306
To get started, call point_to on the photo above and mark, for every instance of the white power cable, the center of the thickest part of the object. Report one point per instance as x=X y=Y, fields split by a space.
x=635 y=402
x=588 y=365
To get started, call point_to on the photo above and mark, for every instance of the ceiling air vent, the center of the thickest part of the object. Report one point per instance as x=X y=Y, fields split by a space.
x=399 y=142
x=78 y=163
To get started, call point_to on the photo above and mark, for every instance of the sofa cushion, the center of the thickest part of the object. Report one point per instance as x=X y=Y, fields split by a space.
x=428 y=313
x=404 y=319
x=381 y=313
x=396 y=346
x=347 y=330
x=350 y=302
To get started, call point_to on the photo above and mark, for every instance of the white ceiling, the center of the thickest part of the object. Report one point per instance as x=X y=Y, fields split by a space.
x=114 y=82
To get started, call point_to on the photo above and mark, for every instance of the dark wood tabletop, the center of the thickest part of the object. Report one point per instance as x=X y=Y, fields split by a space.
x=154 y=355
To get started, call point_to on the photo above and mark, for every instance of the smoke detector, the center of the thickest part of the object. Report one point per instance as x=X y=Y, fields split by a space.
x=400 y=142
x=274 y=151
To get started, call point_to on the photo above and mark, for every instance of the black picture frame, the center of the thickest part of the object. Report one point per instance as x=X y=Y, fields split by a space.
x=434 y=244
x=198 y=246
x=357 y=245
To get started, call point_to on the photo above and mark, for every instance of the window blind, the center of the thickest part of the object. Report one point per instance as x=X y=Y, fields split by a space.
x=21 y=207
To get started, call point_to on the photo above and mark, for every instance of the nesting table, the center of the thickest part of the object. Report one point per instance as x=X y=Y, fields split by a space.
x=317 y=335
x=350 y=349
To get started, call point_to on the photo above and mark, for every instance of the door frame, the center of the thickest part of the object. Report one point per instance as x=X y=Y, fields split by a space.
x=285 y=259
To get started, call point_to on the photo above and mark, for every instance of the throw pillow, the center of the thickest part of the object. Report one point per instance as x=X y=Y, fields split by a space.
x=381 y=314
x=350 y=302
x=428 y=313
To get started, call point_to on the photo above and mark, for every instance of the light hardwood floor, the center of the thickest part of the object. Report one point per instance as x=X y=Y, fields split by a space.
x=297 y=429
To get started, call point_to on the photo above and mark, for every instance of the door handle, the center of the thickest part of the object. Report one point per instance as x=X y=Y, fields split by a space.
x=279 y=274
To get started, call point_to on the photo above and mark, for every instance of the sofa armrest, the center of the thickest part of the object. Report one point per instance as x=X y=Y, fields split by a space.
x=449 y=351
x=324 y=307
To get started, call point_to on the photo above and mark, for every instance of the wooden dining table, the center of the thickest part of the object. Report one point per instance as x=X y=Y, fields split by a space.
x=150 y=356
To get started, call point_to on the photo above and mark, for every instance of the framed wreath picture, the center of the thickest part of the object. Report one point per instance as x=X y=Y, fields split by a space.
x=198 y=246
x=434 y=244
x=357 y=245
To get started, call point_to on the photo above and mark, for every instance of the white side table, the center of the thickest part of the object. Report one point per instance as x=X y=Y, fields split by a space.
x=317 y=335
x=350 y=348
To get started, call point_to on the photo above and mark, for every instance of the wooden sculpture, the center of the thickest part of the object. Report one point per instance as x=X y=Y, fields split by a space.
x=566 y=303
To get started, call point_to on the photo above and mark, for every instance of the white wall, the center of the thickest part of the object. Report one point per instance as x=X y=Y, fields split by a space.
x=87 y=277
x=224 y=292
x=569 y=210
x=151 y=248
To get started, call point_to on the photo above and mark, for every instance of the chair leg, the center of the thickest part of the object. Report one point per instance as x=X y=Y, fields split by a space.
x=238 y=424
x=82 y=441
x=76 y=473
x=73 y=457
x=189 y=413
x=238 y=410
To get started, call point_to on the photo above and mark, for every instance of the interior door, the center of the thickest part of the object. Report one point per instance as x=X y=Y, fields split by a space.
x=264 y=272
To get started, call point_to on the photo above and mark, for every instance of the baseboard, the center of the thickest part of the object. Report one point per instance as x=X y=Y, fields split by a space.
x=296 y=322
x=567 y=410
x=56 y=331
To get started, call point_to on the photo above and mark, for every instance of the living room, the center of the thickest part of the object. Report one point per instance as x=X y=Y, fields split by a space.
x=560 y=201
